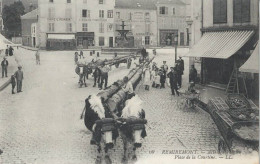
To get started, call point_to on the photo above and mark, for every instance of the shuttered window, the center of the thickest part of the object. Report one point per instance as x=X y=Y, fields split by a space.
x=219 y=11
x=241 y=11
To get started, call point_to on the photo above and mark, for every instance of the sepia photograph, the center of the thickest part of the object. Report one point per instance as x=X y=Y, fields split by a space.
x=129 y=82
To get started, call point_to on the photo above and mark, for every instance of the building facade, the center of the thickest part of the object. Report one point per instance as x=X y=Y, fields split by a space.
x=225 y=34
x=1 y=13
x=28 y=22
x=171 y=15
x=141 y=21
x=82 y=23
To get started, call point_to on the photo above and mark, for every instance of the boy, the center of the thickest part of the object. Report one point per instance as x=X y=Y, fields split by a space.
x=13 y=82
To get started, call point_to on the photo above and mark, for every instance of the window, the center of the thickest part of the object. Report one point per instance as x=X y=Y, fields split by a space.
x=51 y=12
x=51 y=27
x=219 y=11
x=101 y=41
x=147 y=40
x=101 y=27
x=147 y=28
x=163 y=10
x=110 y=13
x=68 y=13
x=241 y=11
x=85 y=1
x=101 y=13
x=85 y=13
x=84 y=27
x=118 y=15
x=68 y=1
x=173 y=11
x=69 y=27
x=101 y=1
x=51 y=1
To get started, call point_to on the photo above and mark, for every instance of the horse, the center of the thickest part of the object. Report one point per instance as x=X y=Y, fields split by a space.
x=132 y=126
x=98 y=120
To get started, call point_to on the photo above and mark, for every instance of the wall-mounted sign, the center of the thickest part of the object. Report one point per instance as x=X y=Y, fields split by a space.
x=59 y=19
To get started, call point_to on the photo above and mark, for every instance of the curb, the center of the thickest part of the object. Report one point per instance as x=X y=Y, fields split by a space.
x=5 y=85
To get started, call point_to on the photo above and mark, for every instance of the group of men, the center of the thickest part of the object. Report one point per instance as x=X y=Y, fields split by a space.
x=9 y=51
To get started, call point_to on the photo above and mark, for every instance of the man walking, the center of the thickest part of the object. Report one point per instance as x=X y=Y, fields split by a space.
x=4 y=65
x=104 y=75
x=173 y=80
x=19 y=78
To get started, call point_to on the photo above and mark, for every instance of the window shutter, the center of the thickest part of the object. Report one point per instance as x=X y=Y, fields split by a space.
x=237 y=11
x=223 y=11
x=245 y=11
x=143 y=40
x=216 y=11
x=88 y=13
x=151 y=40
x=166 y=10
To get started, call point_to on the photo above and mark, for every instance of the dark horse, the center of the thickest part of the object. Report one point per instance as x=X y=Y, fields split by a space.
x=98 y=120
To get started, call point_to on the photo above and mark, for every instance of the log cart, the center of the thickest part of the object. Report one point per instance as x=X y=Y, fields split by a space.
x=238 y=134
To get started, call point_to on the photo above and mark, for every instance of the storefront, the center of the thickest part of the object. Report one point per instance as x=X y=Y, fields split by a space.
x=85 y=39
x=219 y=51
x=61 y=42
x=167 y=37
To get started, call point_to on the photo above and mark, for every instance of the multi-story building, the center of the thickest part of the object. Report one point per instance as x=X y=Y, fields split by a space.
x=1 y=18
x=171 y=15
x=140 y=19
x=29 y=32
x=225 y=34
x=69 y=24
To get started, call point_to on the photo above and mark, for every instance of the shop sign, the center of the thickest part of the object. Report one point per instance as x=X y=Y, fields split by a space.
x=59 y=19
x=88 y=19
x=147 y=33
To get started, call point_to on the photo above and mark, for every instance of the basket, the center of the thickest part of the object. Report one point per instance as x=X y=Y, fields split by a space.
x=243 y=114
x=237 y=101
x=252 y=135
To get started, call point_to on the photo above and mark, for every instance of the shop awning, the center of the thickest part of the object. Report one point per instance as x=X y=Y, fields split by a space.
x=221 y=44
x=252 y=64
x=61 y=36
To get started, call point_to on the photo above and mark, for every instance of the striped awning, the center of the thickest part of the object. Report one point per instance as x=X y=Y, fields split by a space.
x=221 y=44
x=252 y=64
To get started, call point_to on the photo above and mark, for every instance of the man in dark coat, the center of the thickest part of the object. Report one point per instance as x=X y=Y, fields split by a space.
x=13 y=82
x=11 y=51
x=143 y=53
x=173 y=80
x=19 y=78
x=162 y=77
x=193 y=74
x=6 y=51
x=180 y=69
x=4 y=65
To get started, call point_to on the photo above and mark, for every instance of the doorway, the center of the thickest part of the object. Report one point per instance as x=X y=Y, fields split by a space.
x=111 y=41
x=34 y=42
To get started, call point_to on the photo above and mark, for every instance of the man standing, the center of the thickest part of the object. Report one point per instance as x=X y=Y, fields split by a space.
x=81 y=55
x=104 y=75
x=163 y=76
x=19 y=78
x=180 y=69
x=143 y=53
x=173 y=80
x=6 y=51
x=4 y=65
x=193 y=74
x=13 y=82
x=11 y=51
x=37 y=55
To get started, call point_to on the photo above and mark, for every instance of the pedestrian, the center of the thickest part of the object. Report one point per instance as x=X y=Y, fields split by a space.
x=13 y=82
x=81 y=54
x=128 y=88
x=154 y=66
x=11 y=51
x=76 y=57
x=193 y=74
x=165 y=67
x=172 y=75
x=104 y=75
x=4 y=65
x=6 y=50
x=19 y=78
x=37 y=55
x=162 y=75
x=147 y=77
x=143 y=53
x=179 y=73
x=154 y=52
x=155 y=78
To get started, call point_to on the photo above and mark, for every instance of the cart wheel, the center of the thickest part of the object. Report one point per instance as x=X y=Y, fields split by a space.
x=222 y=148
x=117 y=65
x=129 y=63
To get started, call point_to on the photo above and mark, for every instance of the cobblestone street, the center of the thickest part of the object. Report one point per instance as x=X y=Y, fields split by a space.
x=42 y=124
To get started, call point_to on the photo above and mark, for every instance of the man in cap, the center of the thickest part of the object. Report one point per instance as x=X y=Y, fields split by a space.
x=104 y=75
x=172 y=75
x=19 y=78
x=4 y=65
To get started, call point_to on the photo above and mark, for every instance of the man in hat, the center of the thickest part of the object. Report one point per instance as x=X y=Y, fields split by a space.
x=4 y=65
x=19 y=78
x=172 y=75
x=193 y=74
x=104 y=75
x=164 y=68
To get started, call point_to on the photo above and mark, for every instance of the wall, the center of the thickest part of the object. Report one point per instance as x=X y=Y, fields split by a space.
x=26 y=31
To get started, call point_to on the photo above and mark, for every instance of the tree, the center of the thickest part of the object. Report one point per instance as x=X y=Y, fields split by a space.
x=12 y=18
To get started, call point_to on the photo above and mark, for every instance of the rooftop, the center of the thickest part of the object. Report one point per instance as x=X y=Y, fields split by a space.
x=31 y=15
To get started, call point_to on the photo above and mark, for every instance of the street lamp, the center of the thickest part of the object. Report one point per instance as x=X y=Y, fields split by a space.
x=176 y=44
